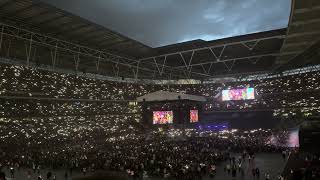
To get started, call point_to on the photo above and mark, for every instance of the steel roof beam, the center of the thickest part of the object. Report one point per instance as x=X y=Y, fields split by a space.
x=241 y=58
x=63 y=45
x=310 y=21
x=304 y=10
x=51 y=42
x=216 y=46
x=304 y=43
x=303 y=34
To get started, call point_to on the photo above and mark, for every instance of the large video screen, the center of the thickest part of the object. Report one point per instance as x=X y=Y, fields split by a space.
x=194 y=117
x=238 y=94
x=162 y=117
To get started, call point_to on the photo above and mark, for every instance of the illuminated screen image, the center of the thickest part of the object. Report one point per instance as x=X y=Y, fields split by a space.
x=238 y=94
x=288 y=139
x=162 y=117
x=194 y=117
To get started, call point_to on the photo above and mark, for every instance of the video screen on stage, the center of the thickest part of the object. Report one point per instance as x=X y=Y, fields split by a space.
x=194 y=117
x=162 y=117
x=238 y=94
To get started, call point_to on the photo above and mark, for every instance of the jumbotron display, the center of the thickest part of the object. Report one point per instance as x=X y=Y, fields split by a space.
x=238 y=94
x=162 y=117
x=194 y=117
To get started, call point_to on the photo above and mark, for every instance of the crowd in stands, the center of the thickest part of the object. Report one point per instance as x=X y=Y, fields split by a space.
x=29 y=82
x=35 y=108
x=287 y=96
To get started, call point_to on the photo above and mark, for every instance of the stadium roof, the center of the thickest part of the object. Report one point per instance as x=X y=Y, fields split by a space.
x=47 y=19
x=67 y=41
x=302 y=35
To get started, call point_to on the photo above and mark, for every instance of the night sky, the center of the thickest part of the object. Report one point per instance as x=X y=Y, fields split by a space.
x=162 y=22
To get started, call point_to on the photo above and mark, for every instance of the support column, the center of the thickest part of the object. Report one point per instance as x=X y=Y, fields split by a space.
x=137 y=70
x=98 y=63
x=9 y=47
x=29 y=51
x=76 y=61
x=54 y=55
x=1 y=37
x=34 y=54
x=116 y=69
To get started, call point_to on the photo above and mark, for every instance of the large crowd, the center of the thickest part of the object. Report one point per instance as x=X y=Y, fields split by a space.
x=83 y=145
x=28 y=81
x=50 y=119
x=287 y=96
x=36 y=108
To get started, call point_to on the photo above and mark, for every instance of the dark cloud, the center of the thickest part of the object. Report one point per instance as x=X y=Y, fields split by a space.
x=162 y=22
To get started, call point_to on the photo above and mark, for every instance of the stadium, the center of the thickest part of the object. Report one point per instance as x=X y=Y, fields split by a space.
x=83 y=100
